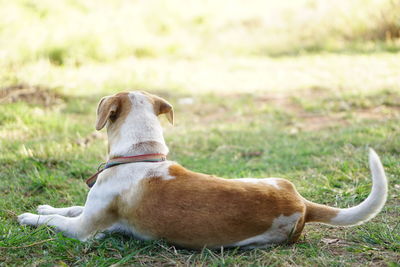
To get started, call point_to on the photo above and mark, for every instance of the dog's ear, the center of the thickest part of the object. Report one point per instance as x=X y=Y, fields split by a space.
x=107 y=107
x=161 y=106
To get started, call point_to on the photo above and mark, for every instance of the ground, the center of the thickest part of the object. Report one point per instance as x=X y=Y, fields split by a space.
x=301 y=108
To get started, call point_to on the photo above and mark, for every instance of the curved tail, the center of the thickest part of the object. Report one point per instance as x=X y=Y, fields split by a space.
x=363 y=212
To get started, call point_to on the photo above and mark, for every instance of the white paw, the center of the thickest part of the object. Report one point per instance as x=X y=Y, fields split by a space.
x=45 y=209
x=28 y=219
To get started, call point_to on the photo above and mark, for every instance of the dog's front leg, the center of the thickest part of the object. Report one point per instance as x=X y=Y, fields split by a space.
x=81 y=227
x=97 y=215
x=72 y=227
x=68 y=212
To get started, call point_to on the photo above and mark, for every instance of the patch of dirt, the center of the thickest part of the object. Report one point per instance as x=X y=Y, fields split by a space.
x=37 y=95
x=297 y=118
x=283 y=101
x=251 y=154
x=311 y=122
x=377 y=113
x=308 y=121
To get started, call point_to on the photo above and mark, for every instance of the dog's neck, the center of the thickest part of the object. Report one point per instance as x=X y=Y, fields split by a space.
x=139 y=134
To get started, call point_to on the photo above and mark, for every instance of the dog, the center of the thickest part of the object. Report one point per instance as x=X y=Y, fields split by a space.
x=140 y=193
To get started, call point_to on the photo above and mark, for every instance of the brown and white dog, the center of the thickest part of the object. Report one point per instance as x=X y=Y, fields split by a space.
x=163 y=200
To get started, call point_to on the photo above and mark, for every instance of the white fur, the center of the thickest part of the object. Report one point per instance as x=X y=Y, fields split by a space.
x=279 y=232
x=367 y=209
x=140 y=125
x=270 y=181
x=68 y=212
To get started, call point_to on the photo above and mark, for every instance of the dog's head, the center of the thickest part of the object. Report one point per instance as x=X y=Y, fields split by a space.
x=113 y=110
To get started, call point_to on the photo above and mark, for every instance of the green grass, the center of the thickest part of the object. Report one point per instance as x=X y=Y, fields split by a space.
x=258 y=91
x=46 y=161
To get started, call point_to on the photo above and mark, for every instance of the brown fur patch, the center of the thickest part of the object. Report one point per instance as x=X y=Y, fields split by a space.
x=161 y=106
x=124 y=107
x=114 y=108
x=118 y=118
x=196 y=210
x=319 y=213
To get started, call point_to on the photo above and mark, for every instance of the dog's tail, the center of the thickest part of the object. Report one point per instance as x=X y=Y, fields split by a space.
x=363 y=212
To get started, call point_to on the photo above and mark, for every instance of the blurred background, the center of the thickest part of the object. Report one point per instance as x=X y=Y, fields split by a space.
x=295 y=66
x=85 y=47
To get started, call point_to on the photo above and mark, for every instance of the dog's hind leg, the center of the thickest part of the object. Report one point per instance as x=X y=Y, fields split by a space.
x=67 y=212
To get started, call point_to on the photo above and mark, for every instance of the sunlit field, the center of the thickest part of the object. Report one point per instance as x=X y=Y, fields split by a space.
x=294 y=89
